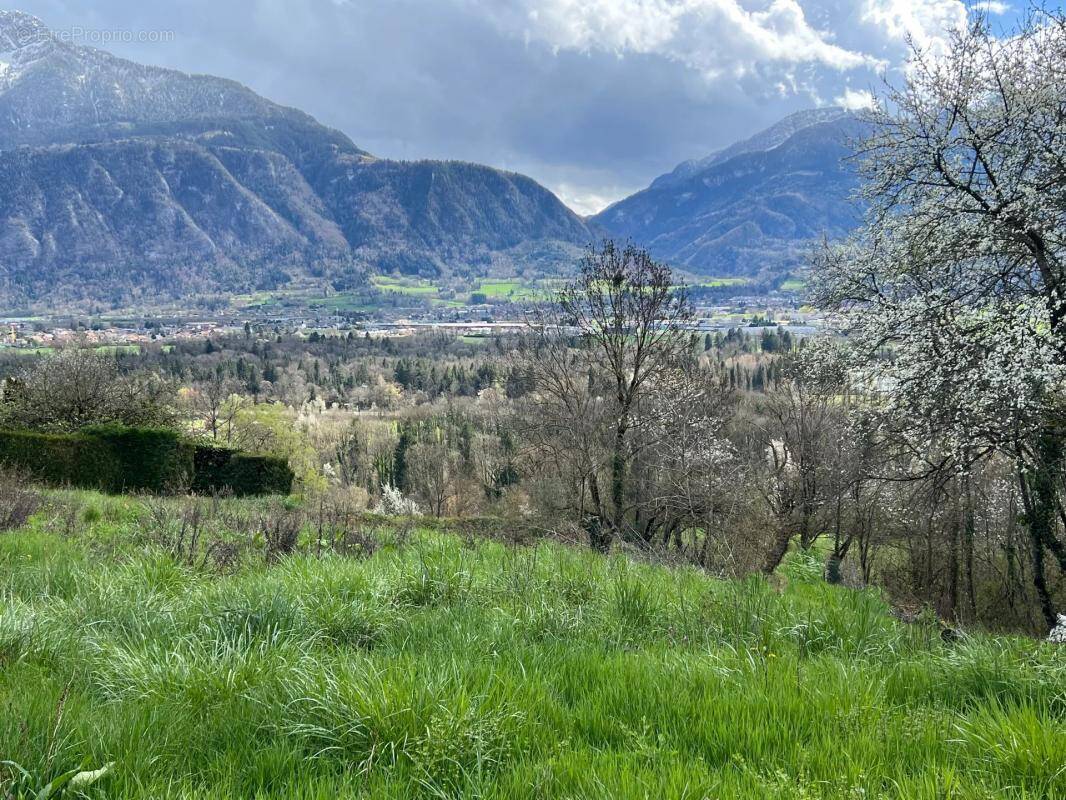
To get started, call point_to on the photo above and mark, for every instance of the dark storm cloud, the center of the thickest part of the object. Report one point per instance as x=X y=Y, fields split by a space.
x=594 y=98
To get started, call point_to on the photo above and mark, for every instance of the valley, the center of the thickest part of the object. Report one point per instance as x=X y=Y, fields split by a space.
x=341 y=458
x=137 y=187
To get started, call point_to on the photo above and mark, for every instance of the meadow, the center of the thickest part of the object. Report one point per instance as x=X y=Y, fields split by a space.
x=393 y=660
x=510 y=290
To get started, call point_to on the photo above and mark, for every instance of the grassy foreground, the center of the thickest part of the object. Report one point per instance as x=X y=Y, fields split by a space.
x=446 y=667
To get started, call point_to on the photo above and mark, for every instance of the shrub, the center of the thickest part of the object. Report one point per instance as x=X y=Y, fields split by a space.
x=394 y=504
x=76 y=387
x=218 y=470
x=18 y=501
x=115 y=458
x=280 y=528
x=111 y=458
x=149 y=459
x=61 y=459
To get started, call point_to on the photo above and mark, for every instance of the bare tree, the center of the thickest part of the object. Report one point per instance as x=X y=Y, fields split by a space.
x=433 y=471
x=77 y=387
x=798 y=435
x=610 y=361
x=211 y=400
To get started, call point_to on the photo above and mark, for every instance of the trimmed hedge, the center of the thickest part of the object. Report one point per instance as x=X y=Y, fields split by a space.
x=118 y=459
x=147 y=459
x=61 y=459
x=216 y=469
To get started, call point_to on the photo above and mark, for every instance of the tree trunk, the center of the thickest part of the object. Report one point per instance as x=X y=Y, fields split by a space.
x=836 y=560
x=950 y=610
x=1038 y=498
x=777 y=550
x=969 y=530
x=618 y=478
x=600 y=535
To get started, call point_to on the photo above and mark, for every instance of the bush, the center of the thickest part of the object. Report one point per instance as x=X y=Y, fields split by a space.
x=61 y=459
x=218 y=470
x=394 y=504
x=110 y=458
x=115 y=458
x=76 y=387
x=18 y=501
x=149 y=459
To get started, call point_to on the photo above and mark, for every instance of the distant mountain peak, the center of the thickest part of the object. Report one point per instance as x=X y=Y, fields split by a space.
x=753 y=208
x=53 y=91
x=18 y=30
x=123 y=182
x=766 y=139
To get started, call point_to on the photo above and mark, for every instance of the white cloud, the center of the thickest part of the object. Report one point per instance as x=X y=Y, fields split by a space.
x=585 y=200
x=786 y=47
x=714 y=37
x=854 y=99
x=927 y=21
x=991 y=7
x=604 y=95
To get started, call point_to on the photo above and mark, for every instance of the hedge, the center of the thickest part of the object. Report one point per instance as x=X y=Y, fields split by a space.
x=118 y=459
x=216 y=469
x=147 y=459
x=61 y=460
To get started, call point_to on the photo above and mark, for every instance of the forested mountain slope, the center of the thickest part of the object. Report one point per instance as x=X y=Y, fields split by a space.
x=753 y=208
x=120 y=181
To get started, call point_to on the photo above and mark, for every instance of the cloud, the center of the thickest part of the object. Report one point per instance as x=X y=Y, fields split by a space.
x=591 y=97
x=590 y=200
x=716 y=38
x=927 y=21
x=854 y=100
x=991 y=7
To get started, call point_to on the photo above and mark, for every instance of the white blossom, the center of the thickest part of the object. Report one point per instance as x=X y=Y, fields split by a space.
x=394 y=504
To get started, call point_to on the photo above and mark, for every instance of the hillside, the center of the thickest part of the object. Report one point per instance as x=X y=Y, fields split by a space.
x=395 y=663
x=124 y=183
x=753 y=208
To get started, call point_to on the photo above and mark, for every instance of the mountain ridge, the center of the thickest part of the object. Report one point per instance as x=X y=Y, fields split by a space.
x=754 y=208
x=120 y=181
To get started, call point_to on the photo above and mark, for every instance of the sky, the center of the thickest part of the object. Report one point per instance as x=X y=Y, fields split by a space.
x=593 y=98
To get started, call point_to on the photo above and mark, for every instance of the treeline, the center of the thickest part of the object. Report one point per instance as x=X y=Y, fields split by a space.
x=732 y=450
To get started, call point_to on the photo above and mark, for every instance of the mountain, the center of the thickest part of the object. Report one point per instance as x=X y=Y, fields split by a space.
x=127 y=183
x=754 y=208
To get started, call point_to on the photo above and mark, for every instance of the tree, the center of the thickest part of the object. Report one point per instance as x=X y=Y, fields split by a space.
x=215 y=401
x=954 y=292
x=686 y=473
x=803 y=455
x=77 y=387
x=608 y=361
x=433 y=471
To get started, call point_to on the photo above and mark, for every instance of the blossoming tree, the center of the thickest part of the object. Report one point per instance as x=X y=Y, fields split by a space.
x=953 y=294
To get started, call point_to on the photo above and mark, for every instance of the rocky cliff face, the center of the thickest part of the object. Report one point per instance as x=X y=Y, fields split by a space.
x=121 y=182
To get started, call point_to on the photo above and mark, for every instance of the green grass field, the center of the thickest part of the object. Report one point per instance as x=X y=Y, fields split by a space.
x=715 y=283
x=116 y=349
x=509 y=290
x=104 y=349
x=27 y=351
x=448 y=666
x=411 y=286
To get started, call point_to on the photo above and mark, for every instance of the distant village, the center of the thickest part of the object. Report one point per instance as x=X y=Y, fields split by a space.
x=486 y=320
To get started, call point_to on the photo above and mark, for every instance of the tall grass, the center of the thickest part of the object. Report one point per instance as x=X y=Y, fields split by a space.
x=448 y=668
